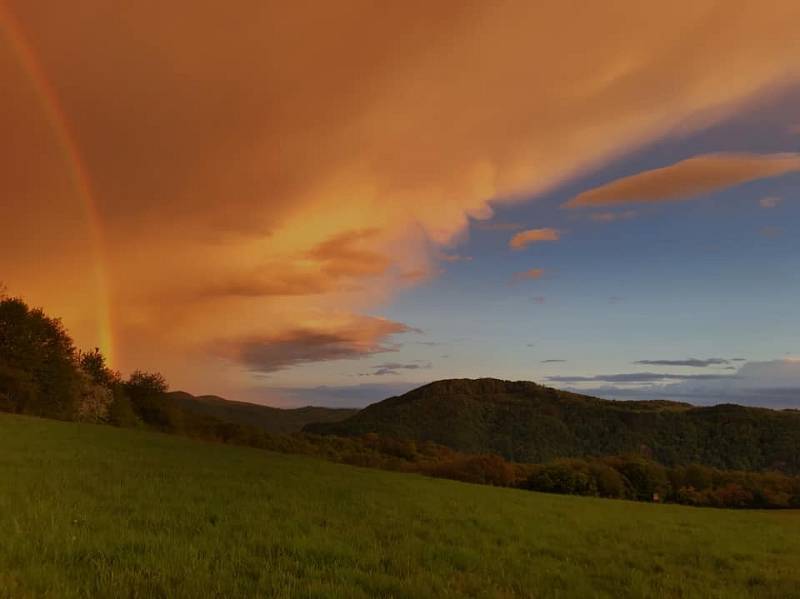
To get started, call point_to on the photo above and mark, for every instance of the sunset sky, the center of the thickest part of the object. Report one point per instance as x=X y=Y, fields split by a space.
x=333 y=202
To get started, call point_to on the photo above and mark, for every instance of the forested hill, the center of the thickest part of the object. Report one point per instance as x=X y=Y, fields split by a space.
x=526 y=422
x=269 y=419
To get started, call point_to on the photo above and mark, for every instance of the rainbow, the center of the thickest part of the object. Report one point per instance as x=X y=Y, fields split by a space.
x=54 y=113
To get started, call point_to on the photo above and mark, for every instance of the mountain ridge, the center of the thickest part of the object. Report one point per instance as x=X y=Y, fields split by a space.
x=527 y=422
x=266 y=418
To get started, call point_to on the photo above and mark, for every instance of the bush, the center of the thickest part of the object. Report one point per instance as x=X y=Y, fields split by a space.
x=609 y=482
x=570 y=477
x=647 y=480
x=487 y=469
x=121 y=412
x=146 y=392
x=94 y=401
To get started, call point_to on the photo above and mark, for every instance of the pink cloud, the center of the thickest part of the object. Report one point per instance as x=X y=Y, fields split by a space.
x=688 y=178
x=531 y=275
x=525 y=238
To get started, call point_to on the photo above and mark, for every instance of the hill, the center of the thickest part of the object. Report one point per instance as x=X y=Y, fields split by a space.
x=269 y=419
x=95 y=511
x=526 y=422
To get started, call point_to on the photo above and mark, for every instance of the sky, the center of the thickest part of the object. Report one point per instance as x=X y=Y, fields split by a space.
x=331 y=203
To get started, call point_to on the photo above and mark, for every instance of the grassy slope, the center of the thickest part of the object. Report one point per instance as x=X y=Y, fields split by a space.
x=95 y=511
x=267 y=418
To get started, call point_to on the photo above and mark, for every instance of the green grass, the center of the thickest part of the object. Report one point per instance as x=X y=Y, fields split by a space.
x=92 y=511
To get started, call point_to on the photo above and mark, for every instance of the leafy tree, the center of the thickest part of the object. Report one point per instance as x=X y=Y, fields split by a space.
x=646 y=478
x=121 y=412
x=608 y=481
x=571 y=477
x=146 y=391
x=94 y=364
x=38 y=369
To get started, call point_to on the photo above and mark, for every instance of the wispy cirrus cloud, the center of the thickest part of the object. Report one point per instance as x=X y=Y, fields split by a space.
x=769 y=202
x=688 y=178
x=391 y=368
x=773 y=383
x=692 y=362
x=444 y=257
x=610 y=217
x=525 y=238
x=638 y=377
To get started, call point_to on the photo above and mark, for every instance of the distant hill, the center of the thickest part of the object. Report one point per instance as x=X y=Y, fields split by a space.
x=269 y=419
x=527 y=422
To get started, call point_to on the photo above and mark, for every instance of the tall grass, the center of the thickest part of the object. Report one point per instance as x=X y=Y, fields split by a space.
x=92 y=511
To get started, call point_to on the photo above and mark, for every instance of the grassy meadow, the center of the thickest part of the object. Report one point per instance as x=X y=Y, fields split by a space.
x=94 y=511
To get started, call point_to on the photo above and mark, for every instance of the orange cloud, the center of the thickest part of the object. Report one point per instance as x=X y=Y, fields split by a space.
x=610 y=217
x=525 y=238
x=532 y=274
x=688 y=178
x=454 y=258
x=251 y=186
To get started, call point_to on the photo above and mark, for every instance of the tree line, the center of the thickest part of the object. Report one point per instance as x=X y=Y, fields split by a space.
x=42 y=373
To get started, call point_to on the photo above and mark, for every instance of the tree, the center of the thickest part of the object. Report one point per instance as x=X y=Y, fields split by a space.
x=38 y=367
x=146 y=383
x=647 y=479
x=94 y=364
x=608 y=481
x=146 y=391
x=563 y=476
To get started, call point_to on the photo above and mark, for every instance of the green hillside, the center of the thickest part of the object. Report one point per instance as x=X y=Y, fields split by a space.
x=94 y=511
x=269 y=419
x=526 y=422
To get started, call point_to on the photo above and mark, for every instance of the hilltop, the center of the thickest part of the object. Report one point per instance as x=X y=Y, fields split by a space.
x=527 y=422
x=266 y=418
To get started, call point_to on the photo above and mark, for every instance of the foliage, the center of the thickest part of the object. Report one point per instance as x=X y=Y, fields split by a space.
x=121 y=412
x=94 y=402
x=526 y=422
x=41 y=373
x=146 y=391
x=93 y=363
x=633 y=477
x=38 y=373
x=569 y=477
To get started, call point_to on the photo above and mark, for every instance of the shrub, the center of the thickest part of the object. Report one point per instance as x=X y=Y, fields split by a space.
x=121 y=412
x=609 y=482
x=646 y=479
x=571 y=477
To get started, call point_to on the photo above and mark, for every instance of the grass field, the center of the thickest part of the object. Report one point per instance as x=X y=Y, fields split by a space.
x=93 y=511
